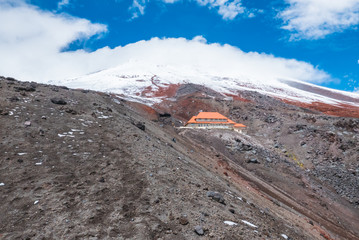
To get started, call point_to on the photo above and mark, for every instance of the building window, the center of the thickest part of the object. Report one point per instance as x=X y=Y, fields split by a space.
x=210 y=120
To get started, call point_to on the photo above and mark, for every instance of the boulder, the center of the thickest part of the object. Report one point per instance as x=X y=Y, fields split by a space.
x=216 y=196
x=58 y=101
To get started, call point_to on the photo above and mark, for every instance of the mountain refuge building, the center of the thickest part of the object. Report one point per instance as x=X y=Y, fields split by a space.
x=213 y=120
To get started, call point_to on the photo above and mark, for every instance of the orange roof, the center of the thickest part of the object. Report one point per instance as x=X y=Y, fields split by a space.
x=192 y=120
x=239 y=125
x=212 y=122
x=212 y=115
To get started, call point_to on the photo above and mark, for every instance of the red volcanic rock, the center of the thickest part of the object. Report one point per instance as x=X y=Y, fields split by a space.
x=340 y=110
x=144 y=110
x=163 y=90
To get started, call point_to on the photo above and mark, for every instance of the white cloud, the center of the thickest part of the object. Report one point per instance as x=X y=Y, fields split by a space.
x=31 y=40
x=170 y=1
x=315 y=19
x=199 y=39
x=251 y=15
x=62 y=4
x=228 y=9
x=254 y=12
x=137 y=8
x=216 y=60
x=31 y=43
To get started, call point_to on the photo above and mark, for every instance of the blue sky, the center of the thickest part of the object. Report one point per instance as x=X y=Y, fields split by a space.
x=320 y=33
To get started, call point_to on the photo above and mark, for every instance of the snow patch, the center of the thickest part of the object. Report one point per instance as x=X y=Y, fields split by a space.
x=66 y=134
x=284 y=236
x=230 y=223
x=104 y=117
x=249 y=224
x=2 y=184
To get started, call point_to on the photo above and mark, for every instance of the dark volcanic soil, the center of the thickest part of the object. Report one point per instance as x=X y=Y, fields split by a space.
x=78 y=164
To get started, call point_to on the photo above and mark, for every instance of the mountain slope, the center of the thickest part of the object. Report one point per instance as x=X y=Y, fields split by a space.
x=92 y=168
x=96 y=167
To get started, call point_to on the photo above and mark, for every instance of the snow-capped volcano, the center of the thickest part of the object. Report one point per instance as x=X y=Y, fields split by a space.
x=150 y=83
x=152 y=71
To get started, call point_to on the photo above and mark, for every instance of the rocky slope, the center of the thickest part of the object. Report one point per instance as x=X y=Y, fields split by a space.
x=78 y=164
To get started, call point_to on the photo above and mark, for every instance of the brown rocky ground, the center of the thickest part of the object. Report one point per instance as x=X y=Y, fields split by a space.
x=77 y=164
x=311 y=157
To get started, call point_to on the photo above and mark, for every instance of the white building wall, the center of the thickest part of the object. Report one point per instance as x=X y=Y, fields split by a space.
x=206 y=125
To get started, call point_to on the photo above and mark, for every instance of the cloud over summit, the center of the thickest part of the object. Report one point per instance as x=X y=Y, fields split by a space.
x=32 y=41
